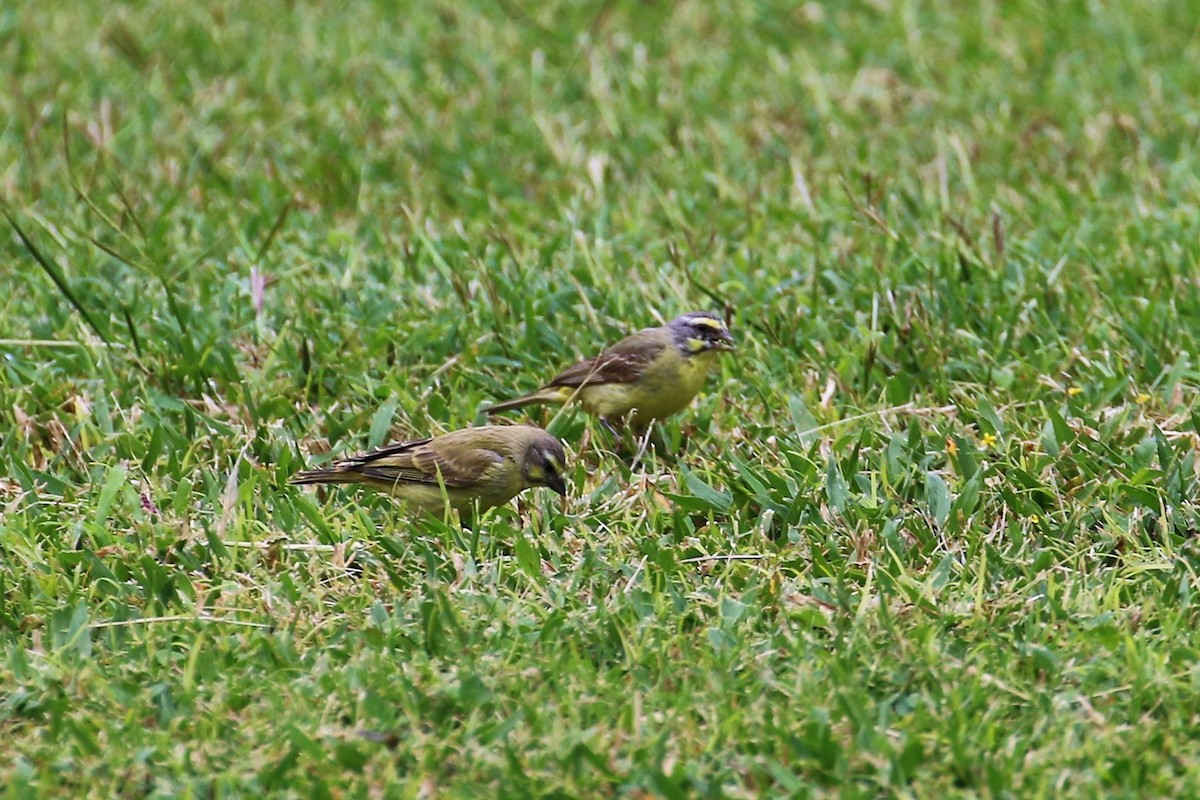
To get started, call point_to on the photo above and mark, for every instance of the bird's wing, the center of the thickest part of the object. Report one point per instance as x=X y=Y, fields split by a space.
x=422 y=461
x=621 y=363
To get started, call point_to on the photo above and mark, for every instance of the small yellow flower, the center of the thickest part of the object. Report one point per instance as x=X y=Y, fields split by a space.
x=1074 y=390
x=951 y=447
x=1142 y=398
x=989 y=440
x=1035 y=519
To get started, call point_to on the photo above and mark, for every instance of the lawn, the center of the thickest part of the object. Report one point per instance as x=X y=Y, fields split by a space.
x=930 y=532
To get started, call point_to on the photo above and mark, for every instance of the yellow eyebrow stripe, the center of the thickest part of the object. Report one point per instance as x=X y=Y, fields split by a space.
x=709 y=322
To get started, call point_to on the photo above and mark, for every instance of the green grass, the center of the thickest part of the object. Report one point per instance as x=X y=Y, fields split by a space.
x=956 y=450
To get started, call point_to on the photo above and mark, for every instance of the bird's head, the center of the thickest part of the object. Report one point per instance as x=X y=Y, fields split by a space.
x=699 y=332
x=545 y=463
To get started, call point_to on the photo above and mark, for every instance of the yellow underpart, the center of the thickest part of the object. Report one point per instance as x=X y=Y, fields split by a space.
x=430 y=499
x=496 y=487
x=666 y=386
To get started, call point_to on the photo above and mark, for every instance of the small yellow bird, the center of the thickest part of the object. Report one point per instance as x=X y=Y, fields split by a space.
x=644 y=377
x=468 y=469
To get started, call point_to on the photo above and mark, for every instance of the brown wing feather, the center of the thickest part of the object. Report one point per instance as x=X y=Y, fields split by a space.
x=621 y=363
x=422 y=461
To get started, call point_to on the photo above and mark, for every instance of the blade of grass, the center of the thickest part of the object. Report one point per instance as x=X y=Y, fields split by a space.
x=57 y=277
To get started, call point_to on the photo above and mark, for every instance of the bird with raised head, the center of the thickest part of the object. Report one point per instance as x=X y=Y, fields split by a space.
x=646 y=376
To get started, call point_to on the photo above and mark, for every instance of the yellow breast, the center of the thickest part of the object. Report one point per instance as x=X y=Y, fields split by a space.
x=494 y=489
x=666 y=386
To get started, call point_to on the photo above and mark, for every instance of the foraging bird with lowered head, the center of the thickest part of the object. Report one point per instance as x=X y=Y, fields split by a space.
x=468 y=470
x=645 y=377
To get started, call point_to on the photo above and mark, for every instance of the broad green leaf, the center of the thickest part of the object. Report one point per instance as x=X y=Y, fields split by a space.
x=836 y=490
x=381 y=422
x=937 y=497
x=718 y=500
x=802 y=419
x=112 y=484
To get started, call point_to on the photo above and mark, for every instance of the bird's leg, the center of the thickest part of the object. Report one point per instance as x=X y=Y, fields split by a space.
x=656 y=439
x=608 y=426
x=619 y=439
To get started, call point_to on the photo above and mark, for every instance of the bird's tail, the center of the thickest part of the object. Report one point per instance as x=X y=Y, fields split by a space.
x=334 y=475
x=556 y=395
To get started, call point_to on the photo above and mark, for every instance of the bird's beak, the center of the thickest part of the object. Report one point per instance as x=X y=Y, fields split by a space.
x=725 y=341
x=557 y=483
